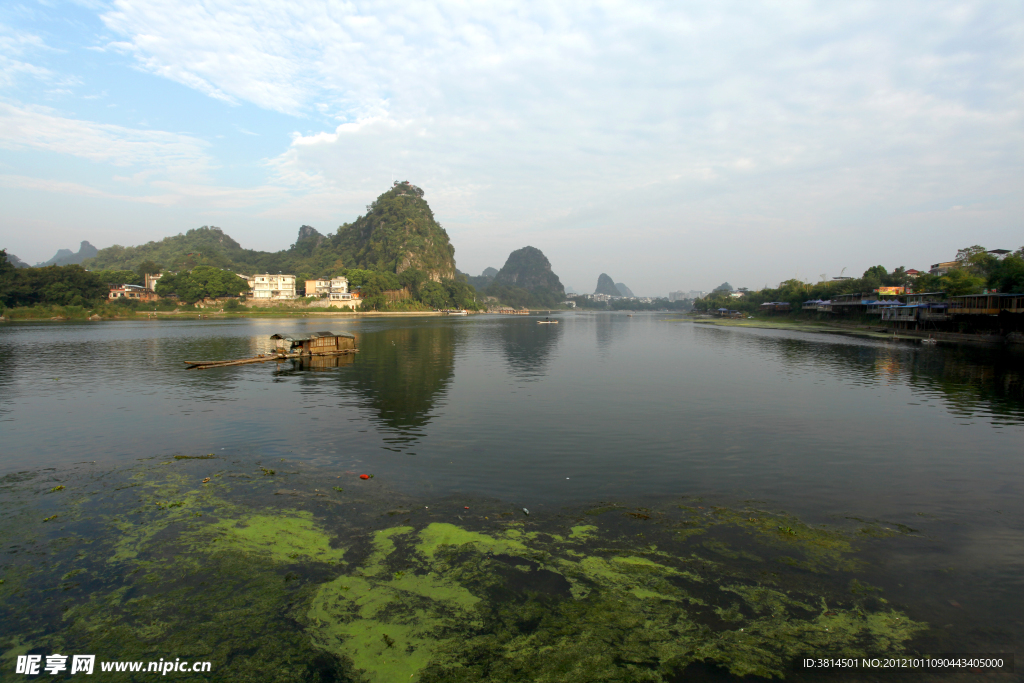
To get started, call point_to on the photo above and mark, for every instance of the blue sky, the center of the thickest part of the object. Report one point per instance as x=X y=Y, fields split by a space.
x=672 y=145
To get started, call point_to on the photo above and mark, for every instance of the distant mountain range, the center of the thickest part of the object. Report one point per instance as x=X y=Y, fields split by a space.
x=15 y=261
x=66 y=257
x=397 y=233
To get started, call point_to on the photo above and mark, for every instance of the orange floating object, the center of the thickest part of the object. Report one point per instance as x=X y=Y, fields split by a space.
x=364 y=476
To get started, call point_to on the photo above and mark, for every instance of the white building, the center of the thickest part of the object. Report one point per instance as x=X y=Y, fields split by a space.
x=327 y=287
x=267 y=286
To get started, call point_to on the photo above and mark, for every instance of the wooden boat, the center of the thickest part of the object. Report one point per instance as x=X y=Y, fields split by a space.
x=315 y=344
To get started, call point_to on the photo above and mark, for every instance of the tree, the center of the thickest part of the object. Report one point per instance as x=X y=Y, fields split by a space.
x=1008 y=276
x=412 y=279
x=897 y=278
x=8 y=276
x=977 y=260
x=53 y=285
x=874 y=277
x=460 y=293
x=119 y=277
x=201 y=282
x=433 y=294
x=148 y=267
x=926 y=282
x=960 y=281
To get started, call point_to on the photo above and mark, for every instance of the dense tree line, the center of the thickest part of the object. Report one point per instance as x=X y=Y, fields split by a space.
x=50 y=285
x=976 y=270
x=201 y=282
x=427 y=293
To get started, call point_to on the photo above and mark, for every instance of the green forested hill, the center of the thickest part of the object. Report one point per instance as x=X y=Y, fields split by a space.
x=526 y=279
x=397 y=233
x=201 y=246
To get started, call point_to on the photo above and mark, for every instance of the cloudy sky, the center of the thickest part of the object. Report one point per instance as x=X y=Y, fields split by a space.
x=672 y=145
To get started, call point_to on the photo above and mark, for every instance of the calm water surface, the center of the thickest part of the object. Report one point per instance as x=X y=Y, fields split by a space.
x=599 y=407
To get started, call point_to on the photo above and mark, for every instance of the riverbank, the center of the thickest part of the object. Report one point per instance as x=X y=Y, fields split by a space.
x=871 y=331
x=196 y=314
x=57 y=314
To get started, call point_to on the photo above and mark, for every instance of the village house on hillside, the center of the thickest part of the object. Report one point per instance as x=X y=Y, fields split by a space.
x=334 y=289
x=132 y=293
x=268 y=286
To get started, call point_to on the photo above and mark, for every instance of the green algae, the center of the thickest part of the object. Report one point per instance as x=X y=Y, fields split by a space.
x=284 y=537
x=454 y=612
x=269 y=593
x=582 y=531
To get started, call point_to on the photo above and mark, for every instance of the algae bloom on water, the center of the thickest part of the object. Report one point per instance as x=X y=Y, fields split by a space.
x=447 y=604
x=276 y=587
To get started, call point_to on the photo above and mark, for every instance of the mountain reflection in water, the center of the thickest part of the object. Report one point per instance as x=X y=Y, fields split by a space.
x=503 y=406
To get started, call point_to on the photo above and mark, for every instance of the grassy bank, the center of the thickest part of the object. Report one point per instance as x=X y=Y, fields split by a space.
x=106 y=311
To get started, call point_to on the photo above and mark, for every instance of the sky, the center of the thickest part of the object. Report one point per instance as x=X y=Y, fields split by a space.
x=672 y=145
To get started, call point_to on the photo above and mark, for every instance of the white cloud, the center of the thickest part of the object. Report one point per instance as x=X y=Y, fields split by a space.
x=575 y=124
x=38 y=128
x=166 y=169
x=14 y=45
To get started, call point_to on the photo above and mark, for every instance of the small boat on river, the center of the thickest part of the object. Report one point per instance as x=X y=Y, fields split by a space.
x=547 y=322
x=290 y=346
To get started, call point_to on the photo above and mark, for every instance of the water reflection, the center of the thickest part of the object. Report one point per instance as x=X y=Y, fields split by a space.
x=7 y=392
x=608 y=327
x=528 y=346
x=297 y=365
x=400 y=374
x=971 y=381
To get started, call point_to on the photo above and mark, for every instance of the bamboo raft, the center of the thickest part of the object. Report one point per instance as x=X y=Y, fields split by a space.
x=207 y=364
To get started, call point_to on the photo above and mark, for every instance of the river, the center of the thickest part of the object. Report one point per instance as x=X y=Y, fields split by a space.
x=639 y=412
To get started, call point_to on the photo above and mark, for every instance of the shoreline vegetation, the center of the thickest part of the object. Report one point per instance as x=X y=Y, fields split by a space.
x=119 y=312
